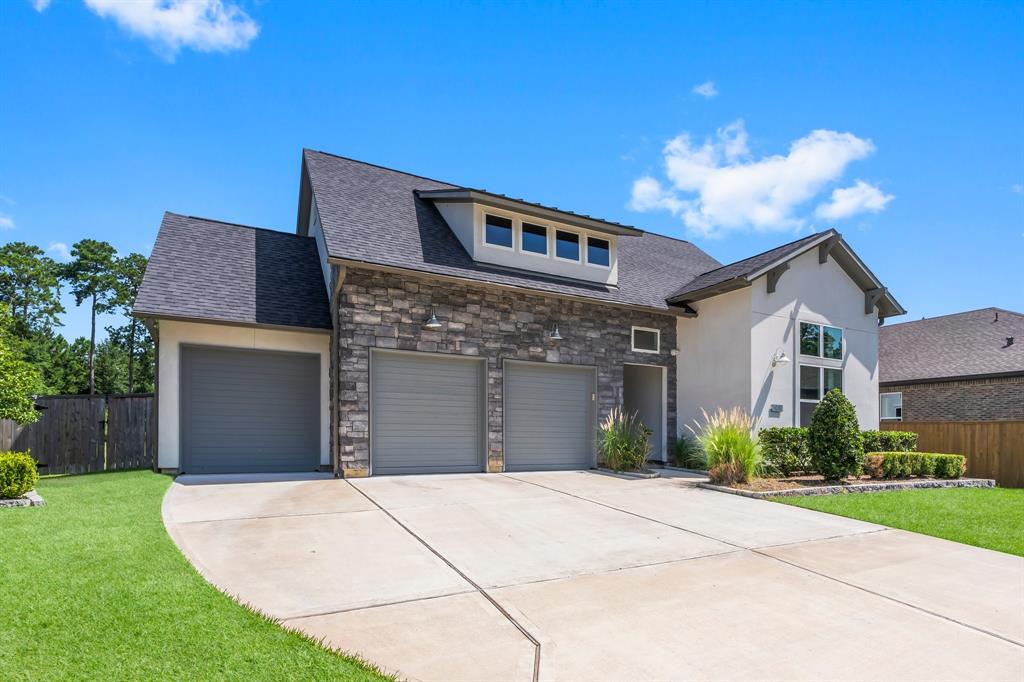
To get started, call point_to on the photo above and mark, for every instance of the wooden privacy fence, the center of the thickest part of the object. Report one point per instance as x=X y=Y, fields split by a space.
x=78 y=434
x=993 y=449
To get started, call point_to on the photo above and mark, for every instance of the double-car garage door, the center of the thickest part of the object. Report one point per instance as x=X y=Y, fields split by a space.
x=428 y=414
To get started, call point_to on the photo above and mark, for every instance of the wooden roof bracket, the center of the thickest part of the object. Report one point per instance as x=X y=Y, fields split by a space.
x=871 y=299
x=774 y=274
x=826 y=247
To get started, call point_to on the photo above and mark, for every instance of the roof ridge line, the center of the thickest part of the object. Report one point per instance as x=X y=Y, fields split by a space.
x=382 y=167
x=962 y=312
x=228 y=222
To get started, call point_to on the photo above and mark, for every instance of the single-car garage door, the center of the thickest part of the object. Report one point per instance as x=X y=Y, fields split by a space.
x=427 y=413
x=549 y=416
x=249 y=411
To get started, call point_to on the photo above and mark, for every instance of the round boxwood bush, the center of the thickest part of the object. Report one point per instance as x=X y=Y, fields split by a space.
x=18 y=474
x=834 y=438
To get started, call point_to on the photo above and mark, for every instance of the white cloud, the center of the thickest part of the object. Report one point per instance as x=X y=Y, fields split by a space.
x=707 y=90
x=849 y=201
x=40 y=5
x=716 y=187
x=6 y=222
x=1017 y=188
x=60 y=251
x=170 y=25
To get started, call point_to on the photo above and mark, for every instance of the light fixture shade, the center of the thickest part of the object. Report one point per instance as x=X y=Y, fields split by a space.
x=554 y=335
x=780 y=358
x=432 y=323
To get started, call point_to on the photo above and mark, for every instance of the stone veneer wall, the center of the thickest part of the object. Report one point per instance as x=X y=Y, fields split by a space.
x=386 y=310
x=994 y=399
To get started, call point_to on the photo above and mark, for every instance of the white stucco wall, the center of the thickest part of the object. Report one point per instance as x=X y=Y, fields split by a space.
x=714 y=357
x=173 y=334
x=823 y=294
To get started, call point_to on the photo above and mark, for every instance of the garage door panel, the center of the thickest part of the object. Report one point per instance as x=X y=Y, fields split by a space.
x=249 y=411
x=549 y=417
x=427 y=413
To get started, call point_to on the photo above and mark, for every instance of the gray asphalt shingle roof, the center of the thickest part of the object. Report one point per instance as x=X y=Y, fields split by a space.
x=372 y=214
x=959 y=345
x=208 y=270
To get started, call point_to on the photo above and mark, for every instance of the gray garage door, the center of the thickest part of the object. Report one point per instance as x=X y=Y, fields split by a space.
x=427 y=413
x=549 y=418
x=249 y=411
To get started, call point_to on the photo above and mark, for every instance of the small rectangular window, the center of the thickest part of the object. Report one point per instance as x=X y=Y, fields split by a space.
x=833 y=379
x=534 y=239
x=891 y=406
x=567 y=245
x=646 y=340
x=498 y=231
x=832 y=343
x=599 y=252
x=810 y=339
x=815 y=382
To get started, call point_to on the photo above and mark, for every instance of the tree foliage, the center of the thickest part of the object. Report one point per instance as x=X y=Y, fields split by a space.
x=30 y=286
x=92 y=274
x=19 y=380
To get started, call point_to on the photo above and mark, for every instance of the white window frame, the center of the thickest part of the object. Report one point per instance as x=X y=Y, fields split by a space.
x=632 y=340
x=580 y=245
x=586 y=253
x=897 y=418
x=517 y=227
x=821 y=382
x=821 y=341
x=483 y=231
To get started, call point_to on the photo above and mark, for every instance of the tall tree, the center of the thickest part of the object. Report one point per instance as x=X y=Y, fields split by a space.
x=93 y=277
x=19 y=380
x=130 y=271
x=30 y=286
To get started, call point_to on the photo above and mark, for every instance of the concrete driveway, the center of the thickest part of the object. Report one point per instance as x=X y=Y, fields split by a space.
x=582 y=576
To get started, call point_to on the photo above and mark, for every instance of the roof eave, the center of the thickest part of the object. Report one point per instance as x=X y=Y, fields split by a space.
x=542 y=212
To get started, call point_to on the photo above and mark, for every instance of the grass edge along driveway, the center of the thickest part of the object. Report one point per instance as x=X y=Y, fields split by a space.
x=94 y=588
x=992 y=518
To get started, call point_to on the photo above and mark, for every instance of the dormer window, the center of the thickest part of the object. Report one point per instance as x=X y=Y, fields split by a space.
x=567 y=246
x=498 y=231
x=534 y=239
x=599 y=252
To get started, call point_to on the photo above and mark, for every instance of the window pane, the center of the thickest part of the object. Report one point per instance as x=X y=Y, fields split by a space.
x=645 y=340
x=810 y=386
x=809 y=339
x=833 y=379
x=892 y=405
x=806 y=410
x=832 y=340
x=498 y=231
x=535 y=238
x=598 y=251
x=567 y=245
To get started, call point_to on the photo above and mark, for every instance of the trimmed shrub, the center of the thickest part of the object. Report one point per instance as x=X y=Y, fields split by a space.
x=889 y=441
x=833 y=438
x=687 y=453
x=727 y=437
x=906 y=464
x=18 y=474
x=784 y=449
x=623 y=441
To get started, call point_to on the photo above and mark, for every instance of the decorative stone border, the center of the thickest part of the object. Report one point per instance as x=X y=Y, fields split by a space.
x=29 y=499
x=627 y=474
x=855 y=488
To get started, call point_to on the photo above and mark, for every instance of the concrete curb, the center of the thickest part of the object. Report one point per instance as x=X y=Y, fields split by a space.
x=855 y=488
x=29 y=499
x=701 y=472
x=626 y=474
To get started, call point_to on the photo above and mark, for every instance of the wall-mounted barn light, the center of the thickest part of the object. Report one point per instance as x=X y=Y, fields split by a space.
x=780 y=358
x=432 y=322
x=554 y=335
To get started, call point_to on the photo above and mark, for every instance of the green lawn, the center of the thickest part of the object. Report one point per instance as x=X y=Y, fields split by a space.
x=92 y=587
x=984 y=517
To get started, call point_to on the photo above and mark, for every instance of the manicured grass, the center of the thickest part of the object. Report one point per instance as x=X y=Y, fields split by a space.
x=93 y=588
x=984 y=517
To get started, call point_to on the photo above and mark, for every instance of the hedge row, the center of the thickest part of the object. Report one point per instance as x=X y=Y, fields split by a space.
x=785 y=451
x=907 y=464
x=18 y=474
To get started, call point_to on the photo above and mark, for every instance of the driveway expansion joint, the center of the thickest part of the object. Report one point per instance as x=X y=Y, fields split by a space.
x=483 y=593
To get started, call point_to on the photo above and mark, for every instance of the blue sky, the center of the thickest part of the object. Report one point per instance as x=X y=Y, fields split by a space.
x=736 y=126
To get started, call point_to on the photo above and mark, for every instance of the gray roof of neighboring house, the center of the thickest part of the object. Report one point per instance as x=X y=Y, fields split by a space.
x=372 y=214
x=208 y=270
x=959 y=345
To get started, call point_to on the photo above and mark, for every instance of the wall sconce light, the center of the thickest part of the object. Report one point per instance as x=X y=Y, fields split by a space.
x=554 y=335
x=674 y=352
x=432 y=322
x=780 y=358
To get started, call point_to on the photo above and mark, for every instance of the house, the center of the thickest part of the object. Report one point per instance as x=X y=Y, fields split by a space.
x=960 y=367
x=412 y=325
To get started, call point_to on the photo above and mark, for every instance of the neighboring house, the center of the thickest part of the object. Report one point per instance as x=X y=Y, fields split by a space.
x=412 y=325
x=961 y=367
